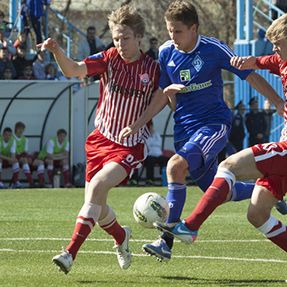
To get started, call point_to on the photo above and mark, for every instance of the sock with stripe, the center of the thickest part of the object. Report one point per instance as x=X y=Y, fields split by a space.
x=110 y=225
x=15 y=169
x=50 y=169
x=275 y=231
x=86 y=220
x=28 y=174
x=215 y=195
x=176 y=198
x=40 y=174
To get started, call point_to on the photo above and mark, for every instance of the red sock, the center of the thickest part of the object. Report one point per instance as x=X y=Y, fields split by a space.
x=214 y=196
x=50 y=176
x=29 y=177
x=82 y=229
x=279 y=239
x=66 y=175
x=15 y=176
x=116 y=231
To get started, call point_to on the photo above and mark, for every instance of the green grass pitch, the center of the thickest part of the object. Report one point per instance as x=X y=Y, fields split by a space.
x=36 y=223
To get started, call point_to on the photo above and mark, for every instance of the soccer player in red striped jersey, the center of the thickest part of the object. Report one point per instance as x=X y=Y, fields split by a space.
x=129 y=79
x=267 y=162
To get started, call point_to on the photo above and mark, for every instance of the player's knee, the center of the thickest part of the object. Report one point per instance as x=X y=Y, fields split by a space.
x=228 y=164
x=176 y=166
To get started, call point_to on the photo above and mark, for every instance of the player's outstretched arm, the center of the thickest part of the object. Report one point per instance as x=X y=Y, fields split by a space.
x=158 y=102
x=244 y=63
x=171 y=92
x=69 y=67
x=263 y=87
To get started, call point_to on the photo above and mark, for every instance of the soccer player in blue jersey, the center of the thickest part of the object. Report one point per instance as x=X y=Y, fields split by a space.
x=191 y=66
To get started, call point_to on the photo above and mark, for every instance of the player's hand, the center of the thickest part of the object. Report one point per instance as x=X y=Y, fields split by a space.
x=243 y=63
x=173 y=89
x=125 y=132
x=50 y=45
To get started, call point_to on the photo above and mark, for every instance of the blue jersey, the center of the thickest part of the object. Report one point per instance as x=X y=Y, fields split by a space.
x=201 y=102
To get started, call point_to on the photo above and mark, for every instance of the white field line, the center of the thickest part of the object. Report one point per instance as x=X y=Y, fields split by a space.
x=261 y=260
x=132 y=240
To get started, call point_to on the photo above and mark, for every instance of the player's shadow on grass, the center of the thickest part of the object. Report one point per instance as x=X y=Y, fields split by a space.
x=222 y=282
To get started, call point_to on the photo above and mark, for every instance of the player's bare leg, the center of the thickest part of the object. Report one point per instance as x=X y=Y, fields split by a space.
x=259 y=215
x=95 y=210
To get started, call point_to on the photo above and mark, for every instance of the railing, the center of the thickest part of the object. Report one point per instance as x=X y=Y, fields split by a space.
x=70 y=29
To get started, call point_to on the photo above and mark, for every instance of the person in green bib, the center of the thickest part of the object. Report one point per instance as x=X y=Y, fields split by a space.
x=8 y=157
x=25 y=159
x=56 y=154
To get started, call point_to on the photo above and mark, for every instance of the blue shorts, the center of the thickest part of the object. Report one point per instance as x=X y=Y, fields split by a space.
x=207 y=141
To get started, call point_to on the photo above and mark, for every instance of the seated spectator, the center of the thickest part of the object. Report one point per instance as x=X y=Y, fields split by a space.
x=155 y=155
x=255 y=123
x=22 y=151
x=7 y=74
x=24 y=158
x=90 y=45
x=8 y=157
x=27 y=73
x=5 y=62
x=153 y=50
x=51 y=72
x=56 y=153
x=39 y=66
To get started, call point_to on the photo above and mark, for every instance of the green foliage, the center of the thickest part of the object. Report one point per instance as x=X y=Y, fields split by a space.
x=35 y=224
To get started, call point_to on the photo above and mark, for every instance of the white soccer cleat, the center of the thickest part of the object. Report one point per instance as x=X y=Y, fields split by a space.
x=123 y=253
x=64 y=261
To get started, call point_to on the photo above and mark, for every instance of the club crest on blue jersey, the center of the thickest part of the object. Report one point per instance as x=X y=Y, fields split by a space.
x=184 y=75
x=197 y=63
x=96 y=56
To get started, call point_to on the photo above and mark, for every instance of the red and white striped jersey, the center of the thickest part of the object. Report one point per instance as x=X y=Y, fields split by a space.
x=276 y=66
x=126 y=90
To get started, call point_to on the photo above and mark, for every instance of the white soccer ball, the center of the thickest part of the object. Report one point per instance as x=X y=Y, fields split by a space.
x=149 y=208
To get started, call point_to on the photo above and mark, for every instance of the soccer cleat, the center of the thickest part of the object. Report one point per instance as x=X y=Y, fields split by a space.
x=64 y=261
x=281 y=206
x=159 y=249
x=123 y=253
x=179 y=231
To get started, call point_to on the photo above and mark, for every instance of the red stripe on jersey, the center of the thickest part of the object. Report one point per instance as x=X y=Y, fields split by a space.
x=125 y=91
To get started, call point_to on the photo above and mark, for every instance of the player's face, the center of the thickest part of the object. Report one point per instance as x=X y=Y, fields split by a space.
x=126 y=43
x=61 y=138
x=7 y=136
x=280 y=48
x=183 y=36
x=19 y=132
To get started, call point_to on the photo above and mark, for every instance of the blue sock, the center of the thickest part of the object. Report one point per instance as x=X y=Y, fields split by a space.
x=176 y=198
x=242 y=190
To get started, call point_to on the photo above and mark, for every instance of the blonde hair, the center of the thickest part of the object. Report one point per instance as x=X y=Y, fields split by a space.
x=182 y=11
x=278 y=29
x=127 y=16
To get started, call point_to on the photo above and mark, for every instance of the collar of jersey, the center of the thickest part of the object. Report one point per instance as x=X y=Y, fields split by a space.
x=195 y=47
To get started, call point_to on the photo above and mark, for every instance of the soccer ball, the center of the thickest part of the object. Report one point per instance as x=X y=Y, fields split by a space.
x=149 y=208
